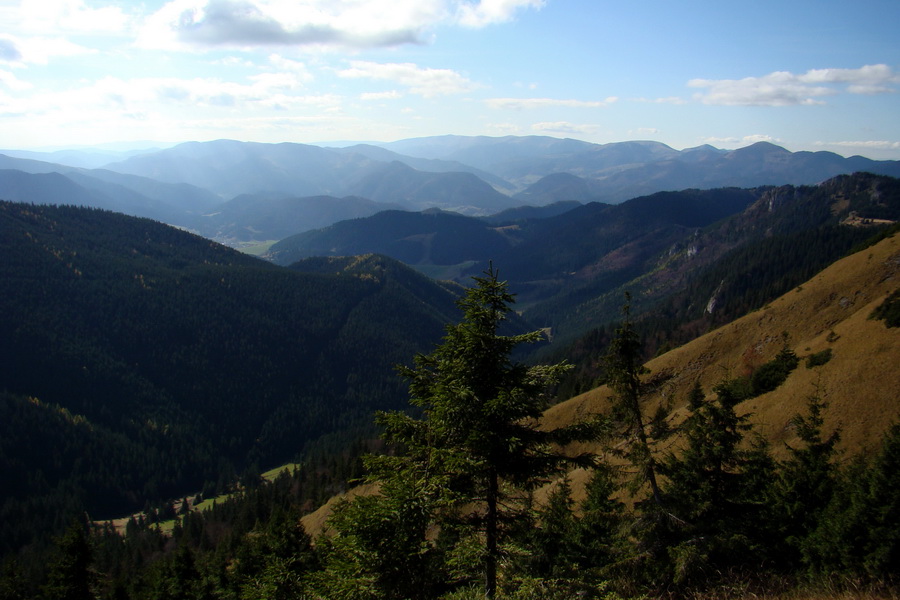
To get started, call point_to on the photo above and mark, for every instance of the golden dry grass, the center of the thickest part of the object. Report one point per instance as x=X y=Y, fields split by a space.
x=861 y=382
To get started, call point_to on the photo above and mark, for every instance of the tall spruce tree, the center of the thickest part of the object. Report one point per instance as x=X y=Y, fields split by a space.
x=624 y=368
x=477 y=442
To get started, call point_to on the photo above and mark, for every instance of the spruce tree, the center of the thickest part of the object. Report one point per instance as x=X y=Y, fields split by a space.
x=477 y=442
x=70 y=576
x=716 y=488
x=806 y=481
x=624 y=368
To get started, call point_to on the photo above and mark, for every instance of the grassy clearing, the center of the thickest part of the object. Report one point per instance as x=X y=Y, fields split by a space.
x=207 y=503
x=444 y=272
x=257 y=249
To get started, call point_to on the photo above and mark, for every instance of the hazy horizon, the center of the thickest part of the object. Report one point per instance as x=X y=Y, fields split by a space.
x=804 y=75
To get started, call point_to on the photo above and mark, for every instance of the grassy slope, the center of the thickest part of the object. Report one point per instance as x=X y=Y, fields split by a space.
x=860 y=382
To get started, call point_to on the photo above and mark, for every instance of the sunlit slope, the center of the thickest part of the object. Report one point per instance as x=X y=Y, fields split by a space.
x=861 y=382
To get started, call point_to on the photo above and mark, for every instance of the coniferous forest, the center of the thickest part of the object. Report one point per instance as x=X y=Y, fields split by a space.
x=456 y=516
x=182 y=371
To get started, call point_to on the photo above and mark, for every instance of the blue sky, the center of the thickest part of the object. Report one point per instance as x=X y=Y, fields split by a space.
x=807 y=75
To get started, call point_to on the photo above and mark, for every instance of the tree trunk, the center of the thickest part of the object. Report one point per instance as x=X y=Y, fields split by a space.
x=490 y=566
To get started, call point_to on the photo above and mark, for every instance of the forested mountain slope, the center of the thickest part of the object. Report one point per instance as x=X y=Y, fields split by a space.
x=140 y=362
x=710 y=275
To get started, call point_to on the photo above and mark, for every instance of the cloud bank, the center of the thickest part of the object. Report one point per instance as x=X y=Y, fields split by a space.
x=319 y=23
x=425 y=82
x=783 y=88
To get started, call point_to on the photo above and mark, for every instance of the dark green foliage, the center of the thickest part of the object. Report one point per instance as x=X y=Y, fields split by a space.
x=805 y=483
x=624 y=368
x=889 y=310
x=819 y=358
x=715 y=490
x=432 y=237
x=477 y=441
x=709 y=276
x=69 y=575
x=765 y=378
x=554 y=543
x=380 y=548
x=773 y=373
x=141 y=361
x=858 y=533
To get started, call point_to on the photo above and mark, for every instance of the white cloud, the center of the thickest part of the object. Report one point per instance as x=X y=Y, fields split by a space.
x=318 y=23
x=503 y=128
x=55 y=17
x=666 y=100
x=422 y=81
x=741 y=141
x=286 y=64
x=324 y=23
x=865 y=145
x=564 y=127
x=530 y=103
x=783 y=88
x=9 y=51
x=10 y=81
x=391 y=95
x=487 y=12
x=759 y=137
x=644 y=131
x=140 y=96
x=38 y=50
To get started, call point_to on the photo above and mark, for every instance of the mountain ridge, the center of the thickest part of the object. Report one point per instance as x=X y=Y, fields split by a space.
x=185 y=181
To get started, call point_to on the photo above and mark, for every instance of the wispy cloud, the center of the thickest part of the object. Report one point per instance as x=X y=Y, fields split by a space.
x=565 y=128
x=391 y=95
x=425 y=82
x=140 y=96
x=531 y=103
x=863 y=145
x=20 y=51
x=783 y=88
x=13 y=83
x=60 y=17
x=487 y=12
x=9 y=52
x=319 y=23
x=324 y=23
x=666 y=100
x=741 y=141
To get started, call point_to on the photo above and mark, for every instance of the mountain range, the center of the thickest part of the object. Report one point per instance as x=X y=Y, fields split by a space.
x=190 y=185
x=570 y=269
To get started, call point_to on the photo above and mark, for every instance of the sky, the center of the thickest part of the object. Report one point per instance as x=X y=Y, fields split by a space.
x=803 y=74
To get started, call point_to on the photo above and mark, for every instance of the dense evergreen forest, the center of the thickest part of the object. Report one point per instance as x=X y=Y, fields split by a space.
x=141 y=363
x=721 y=518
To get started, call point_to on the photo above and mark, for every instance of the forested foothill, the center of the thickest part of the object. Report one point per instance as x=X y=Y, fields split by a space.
x=145 y=369
x=141 y=362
